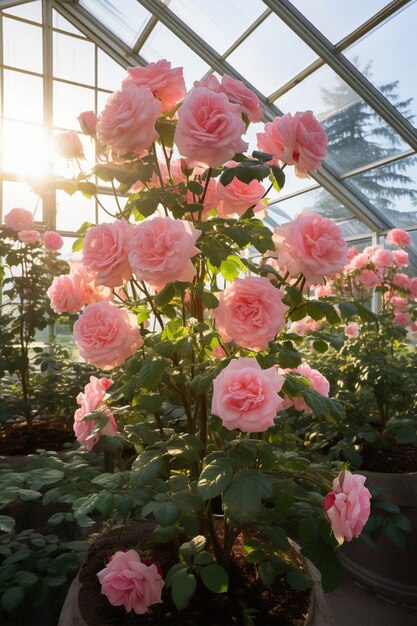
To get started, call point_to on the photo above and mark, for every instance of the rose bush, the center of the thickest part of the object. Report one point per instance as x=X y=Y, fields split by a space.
x=197 y=333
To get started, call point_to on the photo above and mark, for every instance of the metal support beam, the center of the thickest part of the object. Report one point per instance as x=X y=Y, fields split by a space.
x=8 y=4
x=344 y=68
x=98 y=34
x=48 y=198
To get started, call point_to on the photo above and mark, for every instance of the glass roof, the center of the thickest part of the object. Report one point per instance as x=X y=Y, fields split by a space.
x=371 y=159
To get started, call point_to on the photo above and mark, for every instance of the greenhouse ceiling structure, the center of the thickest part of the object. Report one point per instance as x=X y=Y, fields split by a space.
x=352 y=63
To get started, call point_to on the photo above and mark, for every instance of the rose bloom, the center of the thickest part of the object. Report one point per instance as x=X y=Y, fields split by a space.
x=400 y=258
x=18 y=219
x=246 y=396
x=352 y=330
x=238 y=93
x=105 y=253
x=304 y=326
x=310 y=244
x=52 y=241
x=88 y=122
x=401 y=318
x=398 y=302
x=127 y=123
x=413 y=287
x=106 y=335
x=66 y=294
x=382 y=258
x=68 y=145
x=401 y=280
x=321 y=291
x=370 y=250
x=28 y=236
x=209 y=128
x=160 y=250
x=126 y=581
x=358 y=261
x=166 y=83
x=398 y=237
x=298 y=140
x=351 y=252
x=318 y=382
x=237 y=197
x=368 y=279
x=348 y=506
x=93 y=398
x=250 y=312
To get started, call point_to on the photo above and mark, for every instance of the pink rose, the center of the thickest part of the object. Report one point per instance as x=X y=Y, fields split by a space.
x=358 y=261
x=398 y=237
x=106 y=335
x=304 y=326
x=88 y=121
x=68 y=145
x=28 y=236
x=322 y=291
x=91 y=291
x=348 y=506
x=127 y=123
x=351 y=252
x=238 y=93
x=166 y=84
x=413 y=287
x=401 y=318
x=126 y=581
x=67 y=294
x=398 y=302
x=401 y=280
x=370 y=250
x=18 y=219
x=237 y=197
x=382 y=258
x=52 y=241
x=209 y=128
x=250 y=312
x=310 y=244
x=93 y=398
x=246 y=396
x=318 y=382
x=105 y=253
x=297 y=139
x=352 y=330
x=368 y=279
x=400 y=258
x=160 y=250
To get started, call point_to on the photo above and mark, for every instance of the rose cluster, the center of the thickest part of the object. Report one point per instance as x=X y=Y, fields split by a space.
x=21 y=222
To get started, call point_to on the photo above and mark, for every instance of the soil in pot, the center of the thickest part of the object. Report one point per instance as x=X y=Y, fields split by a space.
x=395 y=459
x=280 y=606
x=47 y=434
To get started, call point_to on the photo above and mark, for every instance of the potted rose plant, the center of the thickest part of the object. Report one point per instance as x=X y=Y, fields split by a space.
x=192 y=331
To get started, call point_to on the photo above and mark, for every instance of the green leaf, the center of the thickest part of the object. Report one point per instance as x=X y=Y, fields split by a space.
x=320 y=346
x=277 y=177
x=227 y=176
x=25 y=579
x=215 y=578
x=203 y=558
x=27 y=495
x=7 y=523
x=78 y=244
x=166 y=130
x=298 y=580
x=243 y=497
x=183 y=585
x=166 y=513
x=347 y=309
x=151 y=373
x=87 y=189
x=165 y=295
x=215 y=478
x=11 y=598
x=389 y=507
x=266 y=573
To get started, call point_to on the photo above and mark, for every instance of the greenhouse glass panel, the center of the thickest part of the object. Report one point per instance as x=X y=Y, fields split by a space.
x=17 y=104
x=110 y=73
x=337 y=19
x=319 y=201
x=110 y=205
x=21 y=195
x=73 y=59
x=25 y=150
x=59 y=22
x=388 y=58
x=125 y=19
x=271 y=55
x=357 y=135
x=219 y=32
x=16 y=55
x=73 y=211
x=163 y=44
x=29 y=11
x=69 y=102
x=392 y=189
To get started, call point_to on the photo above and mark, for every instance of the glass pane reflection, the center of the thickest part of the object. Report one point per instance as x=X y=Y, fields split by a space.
x=25 y=150
x=72 y=211
x=73 y=59
x=357 y=135
x=392 y=68
x=392 y=189
x=271 y=55
x=17 y=105
x=30 y=11
x=202 y=17
x=20 y=195
x=16 y=54
x=125 y=19
x=110 y=73
x=69 y=102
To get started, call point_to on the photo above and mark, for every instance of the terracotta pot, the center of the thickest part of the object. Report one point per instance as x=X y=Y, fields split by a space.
x=388 y=570
x=317 y=612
